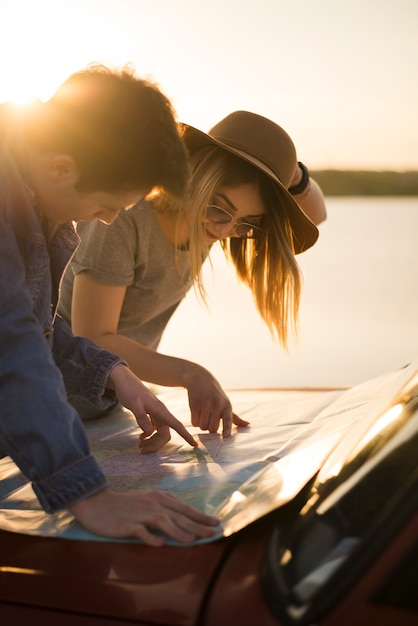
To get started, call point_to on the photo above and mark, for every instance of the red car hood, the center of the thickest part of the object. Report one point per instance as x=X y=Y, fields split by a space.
x=113 y=580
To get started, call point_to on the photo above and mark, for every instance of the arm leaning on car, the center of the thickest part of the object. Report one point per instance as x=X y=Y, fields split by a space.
x=96 y=309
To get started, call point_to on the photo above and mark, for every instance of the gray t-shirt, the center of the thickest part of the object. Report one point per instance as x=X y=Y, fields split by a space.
x=132 y=252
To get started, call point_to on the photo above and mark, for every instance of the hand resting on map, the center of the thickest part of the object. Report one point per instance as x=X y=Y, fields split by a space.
x=138 y=513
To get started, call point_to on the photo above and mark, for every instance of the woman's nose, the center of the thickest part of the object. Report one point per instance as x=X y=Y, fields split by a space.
x=224 y=230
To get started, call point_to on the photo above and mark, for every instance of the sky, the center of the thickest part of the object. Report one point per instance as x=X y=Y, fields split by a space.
x=340 y=76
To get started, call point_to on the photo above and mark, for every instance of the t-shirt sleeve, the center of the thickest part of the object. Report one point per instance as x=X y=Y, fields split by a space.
x=108 y=253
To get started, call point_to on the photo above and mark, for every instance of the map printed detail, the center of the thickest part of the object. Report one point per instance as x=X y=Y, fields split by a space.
x=238 y=479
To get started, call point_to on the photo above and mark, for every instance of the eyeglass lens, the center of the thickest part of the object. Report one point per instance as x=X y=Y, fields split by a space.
x=219 y=216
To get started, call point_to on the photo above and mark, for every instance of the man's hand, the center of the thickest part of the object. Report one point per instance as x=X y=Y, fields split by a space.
x=157 y=440
x=151 y=414
x=137 y=513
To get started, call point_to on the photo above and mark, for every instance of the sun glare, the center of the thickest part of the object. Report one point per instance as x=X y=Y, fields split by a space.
x=43 y=41
x=24 y=93
x=31 y=69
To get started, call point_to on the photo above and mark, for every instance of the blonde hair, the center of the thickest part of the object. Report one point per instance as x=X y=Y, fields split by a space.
x=266 y=265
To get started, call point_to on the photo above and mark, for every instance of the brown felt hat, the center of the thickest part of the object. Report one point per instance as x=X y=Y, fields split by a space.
x=269 y=148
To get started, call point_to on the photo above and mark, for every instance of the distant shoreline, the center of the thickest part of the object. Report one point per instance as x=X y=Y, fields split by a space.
x=366 y=182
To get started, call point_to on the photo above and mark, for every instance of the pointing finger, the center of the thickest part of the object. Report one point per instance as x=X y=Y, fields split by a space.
x=239 y=422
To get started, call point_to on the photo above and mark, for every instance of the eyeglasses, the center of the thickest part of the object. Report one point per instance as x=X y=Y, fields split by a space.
x=216 y=215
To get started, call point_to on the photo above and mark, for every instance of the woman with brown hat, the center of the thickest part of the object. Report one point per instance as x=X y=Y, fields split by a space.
x=248 y=191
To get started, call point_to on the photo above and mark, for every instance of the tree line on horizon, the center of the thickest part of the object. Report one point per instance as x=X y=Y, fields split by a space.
x=366 y=182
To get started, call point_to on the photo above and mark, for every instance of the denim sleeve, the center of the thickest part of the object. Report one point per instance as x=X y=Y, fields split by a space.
x=39 y=430
x=84 y=365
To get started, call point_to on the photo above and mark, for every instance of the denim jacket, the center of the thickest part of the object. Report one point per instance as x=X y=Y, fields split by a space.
x=41 y=362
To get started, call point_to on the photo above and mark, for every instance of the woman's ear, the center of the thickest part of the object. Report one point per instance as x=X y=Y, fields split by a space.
x=62 y=168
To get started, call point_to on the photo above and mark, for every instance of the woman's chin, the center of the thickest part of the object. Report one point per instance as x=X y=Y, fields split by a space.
x=210 y=238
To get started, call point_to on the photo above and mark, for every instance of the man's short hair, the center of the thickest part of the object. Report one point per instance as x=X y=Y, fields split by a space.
x=120 y=129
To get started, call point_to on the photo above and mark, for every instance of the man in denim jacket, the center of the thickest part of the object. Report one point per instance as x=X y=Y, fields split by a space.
x=103 y=141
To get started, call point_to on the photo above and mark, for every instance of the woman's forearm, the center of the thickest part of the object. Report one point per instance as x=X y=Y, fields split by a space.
x=149 y=365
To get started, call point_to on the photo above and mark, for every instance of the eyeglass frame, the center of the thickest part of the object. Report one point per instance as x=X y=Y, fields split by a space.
x=260 y=232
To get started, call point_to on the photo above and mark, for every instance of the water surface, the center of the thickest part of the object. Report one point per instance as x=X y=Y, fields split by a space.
x=359 y=310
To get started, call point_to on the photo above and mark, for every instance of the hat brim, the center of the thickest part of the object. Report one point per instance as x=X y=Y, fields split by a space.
x=305 y=233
